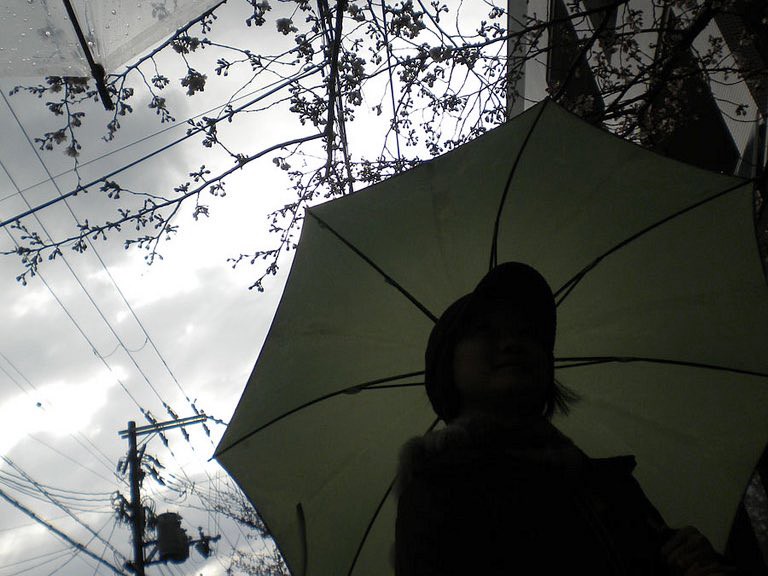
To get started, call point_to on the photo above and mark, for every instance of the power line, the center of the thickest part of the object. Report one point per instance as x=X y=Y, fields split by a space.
x=74 y=555
x=98 y=309
x=109 y=274
x=130 y=145
x=204 y=503
x=84 y=335
x=12 y=365
x=97 y=254
x=76 y=324
x=22 y=526
x=59 y=555
x=55 y=502
x=93 y=450
x=83 y=188
x=59 y=533
x=75 y=462
x=101 y=508
x=79 y=501
x=13 y=379
x=38 y=557
x=109 y=539
x=95 y=496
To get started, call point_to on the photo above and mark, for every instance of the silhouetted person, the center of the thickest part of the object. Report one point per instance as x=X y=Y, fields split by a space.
x=499 y=490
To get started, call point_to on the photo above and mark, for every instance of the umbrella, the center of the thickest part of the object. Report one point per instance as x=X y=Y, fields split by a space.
x=662 y=316
x=85 y=37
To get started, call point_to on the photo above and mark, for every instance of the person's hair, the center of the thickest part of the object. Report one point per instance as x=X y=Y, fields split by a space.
x=510 y=280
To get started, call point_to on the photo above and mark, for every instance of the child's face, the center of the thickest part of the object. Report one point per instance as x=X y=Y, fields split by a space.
x=500 y=365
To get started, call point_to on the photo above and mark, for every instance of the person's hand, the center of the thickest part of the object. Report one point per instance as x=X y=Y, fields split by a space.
x=689 y=553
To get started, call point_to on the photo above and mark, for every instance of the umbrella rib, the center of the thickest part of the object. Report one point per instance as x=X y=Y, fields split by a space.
x=575 y=362
x=370 y=525
x=562 y=293
x=97 y=70
x=376 y=513
x=348 y=390
x=303 y=529
x=389 y=386
x=497 y=224
x=375 y=266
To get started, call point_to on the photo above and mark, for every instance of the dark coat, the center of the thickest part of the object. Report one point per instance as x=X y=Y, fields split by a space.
x=489 y=499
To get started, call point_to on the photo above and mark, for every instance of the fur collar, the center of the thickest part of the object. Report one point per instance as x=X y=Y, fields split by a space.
x=469 y=438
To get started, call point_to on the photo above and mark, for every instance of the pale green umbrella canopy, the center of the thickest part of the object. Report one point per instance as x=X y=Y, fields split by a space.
x=662 y=321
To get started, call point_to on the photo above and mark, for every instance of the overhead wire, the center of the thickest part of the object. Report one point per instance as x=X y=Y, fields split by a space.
x=121 y=343
x=72 y=556
x=55 y=501
x=209 y=503
x=13 y=379
x=93 y=347
x=79 y=328
x=94 y=450
x=38 y=557
x=69 y=267
x=58 y=556
x=32 y=523
x=109 y=325
x=73 y=460
x=77 y=551
x=104 y=266
x=109 y=539
x=12 y=365
x=181 y=124
x=143 y=442
x=22 y=483
x=103 y=495
x=19 y=506
x=78 y=504
x=192 y=132
x=75 y=498
x=173 y=569
x=160 y=569
x=206 y=504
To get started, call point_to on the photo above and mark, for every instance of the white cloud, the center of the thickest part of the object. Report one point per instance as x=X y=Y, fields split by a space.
x=58 y=409
x=12 y=541
x=198 y=311
x=35 y=300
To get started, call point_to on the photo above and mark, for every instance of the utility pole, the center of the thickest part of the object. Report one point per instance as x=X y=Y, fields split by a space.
x=135 y=476
x=137 y=510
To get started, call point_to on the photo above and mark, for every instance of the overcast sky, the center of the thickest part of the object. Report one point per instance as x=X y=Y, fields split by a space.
x=67 y=381
x=98 y=336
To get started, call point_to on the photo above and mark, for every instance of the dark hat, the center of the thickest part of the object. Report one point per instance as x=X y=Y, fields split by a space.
x=511 y=282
